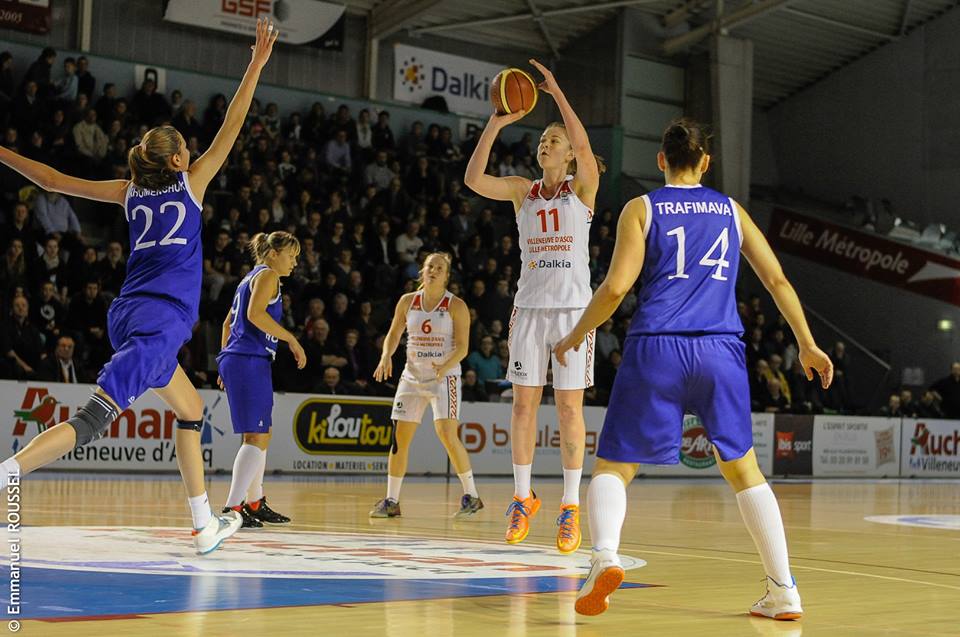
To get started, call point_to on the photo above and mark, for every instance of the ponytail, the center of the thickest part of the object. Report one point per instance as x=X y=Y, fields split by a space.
x=262 y=243
x=684 y=144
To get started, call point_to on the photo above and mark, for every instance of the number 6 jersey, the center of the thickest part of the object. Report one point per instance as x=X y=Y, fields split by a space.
x=429 y=338
x=166 y=259
x=554 y=249
x=689 y=275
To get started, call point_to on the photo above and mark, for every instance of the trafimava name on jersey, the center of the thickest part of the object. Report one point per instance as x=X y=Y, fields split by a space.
x=330 y=425
x=696 y=450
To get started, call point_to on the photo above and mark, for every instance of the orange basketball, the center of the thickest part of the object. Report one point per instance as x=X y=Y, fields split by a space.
x=513 y=91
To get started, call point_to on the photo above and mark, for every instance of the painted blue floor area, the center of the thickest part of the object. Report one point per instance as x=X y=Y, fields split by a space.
x=49 y=593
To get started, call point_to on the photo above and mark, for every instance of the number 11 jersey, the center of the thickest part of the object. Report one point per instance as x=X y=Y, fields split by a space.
x=166 y=256
x=689 y=275
x=554 y=249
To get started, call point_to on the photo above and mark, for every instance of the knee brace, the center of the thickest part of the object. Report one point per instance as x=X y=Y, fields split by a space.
x=393 y=438
x=190 y=425
x=91 y=421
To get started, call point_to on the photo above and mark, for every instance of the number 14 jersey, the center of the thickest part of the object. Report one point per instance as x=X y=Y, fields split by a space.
x=689 y=275
x=554 y=249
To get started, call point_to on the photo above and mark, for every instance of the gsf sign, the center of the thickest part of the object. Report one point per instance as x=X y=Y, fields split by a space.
x=246 y=8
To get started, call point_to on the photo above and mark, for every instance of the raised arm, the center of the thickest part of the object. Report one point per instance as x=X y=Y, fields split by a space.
x=764 y=262
x=587 y=180
x=624 y=269
x=476 y=178
x=461 y=338
x=111 y=191
x=390 y=342
x=208 y=165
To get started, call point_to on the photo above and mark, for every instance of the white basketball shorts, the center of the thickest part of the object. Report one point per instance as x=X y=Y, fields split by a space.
x=412 y=399
x=533 y=333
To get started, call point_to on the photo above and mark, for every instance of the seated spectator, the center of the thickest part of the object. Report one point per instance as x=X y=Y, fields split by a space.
x=606 y=340
x=87 y=318
x=893 y=407
x=150 y=106
x=382 y=134
x=62 y=367
x=413 y=145
x=330 y=384
x=216 y=266
x=358 y=369
x=57 y=218
x=91 y=141
x=408 y=244
x=113 y=269
x=21 y=343
x=485 y=362
x=929 y=406
x=48 y=313
x=908 y=407
x=20 y=226
x=756 y=348
x=776 y=373
x=336 y=154
x=472 y=391
x=378 y=173
x=949 y=390
x=321 y=351
x=13 y=269
x=51 y=267
x=774 y=401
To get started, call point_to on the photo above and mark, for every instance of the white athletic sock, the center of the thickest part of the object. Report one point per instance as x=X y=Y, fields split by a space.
x=393 y=488
x=571 y=486
x=469 y=488
x=244 y=470
x=521 y=480
x=255 y=492
x=607 y=507
x=200 y=510
x=758 y=506
x=9 y=467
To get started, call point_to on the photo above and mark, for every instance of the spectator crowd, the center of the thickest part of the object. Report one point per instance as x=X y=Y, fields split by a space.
x=368 y=204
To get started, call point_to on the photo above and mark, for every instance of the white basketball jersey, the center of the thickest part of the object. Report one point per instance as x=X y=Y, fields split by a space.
x=554 y=249
x=429 y=338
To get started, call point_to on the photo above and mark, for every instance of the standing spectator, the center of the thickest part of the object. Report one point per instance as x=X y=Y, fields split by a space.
x=21 y=343
x=26 y=110
x=949 y=390
x=150 y=106
x=87 y=84
x=62 y=367
x=485 y=362
x=105 y=105
x=39 y=72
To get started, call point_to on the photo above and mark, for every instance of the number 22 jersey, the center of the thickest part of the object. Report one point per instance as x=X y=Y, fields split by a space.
x=689 y=276
x=166 y=256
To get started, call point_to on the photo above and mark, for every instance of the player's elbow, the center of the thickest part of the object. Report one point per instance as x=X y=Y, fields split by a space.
x=775 y=281
x=613 y=290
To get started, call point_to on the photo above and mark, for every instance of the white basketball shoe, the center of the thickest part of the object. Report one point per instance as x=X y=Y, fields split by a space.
x=781 y=602
x=606 y=575
x=219 y=528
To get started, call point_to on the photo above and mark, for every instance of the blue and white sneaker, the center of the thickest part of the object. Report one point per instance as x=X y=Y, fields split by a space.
x=781 y=602
x=219 y=528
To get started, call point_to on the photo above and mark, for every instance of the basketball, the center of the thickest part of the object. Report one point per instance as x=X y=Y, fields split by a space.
x=513 y=91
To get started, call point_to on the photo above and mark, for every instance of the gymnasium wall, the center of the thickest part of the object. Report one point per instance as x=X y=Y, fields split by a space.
x=63 y=28
x=886 y=126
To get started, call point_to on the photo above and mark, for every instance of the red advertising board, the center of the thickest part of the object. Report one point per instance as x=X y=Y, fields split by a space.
x=32 y=16
x=867 y=255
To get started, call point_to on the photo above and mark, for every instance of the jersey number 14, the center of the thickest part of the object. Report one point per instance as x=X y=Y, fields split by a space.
x=722 y=244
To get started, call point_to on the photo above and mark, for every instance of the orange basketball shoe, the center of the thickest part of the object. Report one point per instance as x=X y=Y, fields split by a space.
x=568 y=528
x=520 y=512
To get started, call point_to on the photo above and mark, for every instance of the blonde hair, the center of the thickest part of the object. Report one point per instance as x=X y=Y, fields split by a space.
x=572 y=166
x=262 y=243
x=150 y=159
x=446 y=258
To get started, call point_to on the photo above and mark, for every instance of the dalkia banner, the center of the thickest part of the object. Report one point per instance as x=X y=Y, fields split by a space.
x=867 y=255
x=312 y=22
x=32 y=16
x=463 y=82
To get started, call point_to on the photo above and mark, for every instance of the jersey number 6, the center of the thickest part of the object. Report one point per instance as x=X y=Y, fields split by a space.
x=425 y=327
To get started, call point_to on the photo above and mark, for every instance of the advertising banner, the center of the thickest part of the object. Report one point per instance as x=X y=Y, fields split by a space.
x=463 y=82
x=856 y=446
x=32 y=16
x=793 y=445
x=319 y=24
x=867 y=255
x=141 y=439
x=930 y=448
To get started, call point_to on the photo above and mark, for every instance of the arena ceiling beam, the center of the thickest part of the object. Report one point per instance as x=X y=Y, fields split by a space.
x=393 y=15
x=549 y=13
x=685 y=11
x=841 y=25
x=724 y=22
x=544 y=31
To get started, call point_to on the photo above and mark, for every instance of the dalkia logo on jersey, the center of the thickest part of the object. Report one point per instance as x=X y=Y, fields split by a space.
x=696 y=450
x=354 y=427
x=549 y=263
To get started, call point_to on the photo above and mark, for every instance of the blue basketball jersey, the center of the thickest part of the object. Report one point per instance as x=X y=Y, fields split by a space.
x=689 y=274
x=245 y=337
x=166 y=259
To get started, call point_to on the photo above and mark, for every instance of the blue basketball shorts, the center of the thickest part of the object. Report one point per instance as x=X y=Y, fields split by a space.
x=146 y=334
x=663 y=377
x=249 y=386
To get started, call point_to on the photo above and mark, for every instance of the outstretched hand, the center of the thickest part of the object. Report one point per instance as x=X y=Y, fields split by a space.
x=506 y=119
x=549 y=83
x=267 y=34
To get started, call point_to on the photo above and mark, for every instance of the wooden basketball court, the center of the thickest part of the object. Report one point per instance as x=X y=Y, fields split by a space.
x=857 y=577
